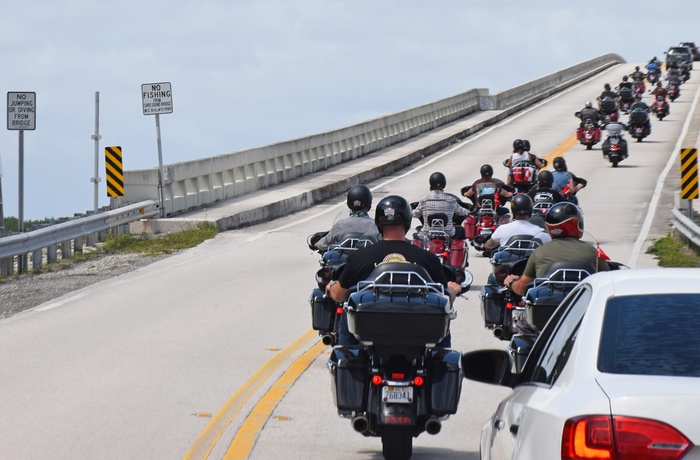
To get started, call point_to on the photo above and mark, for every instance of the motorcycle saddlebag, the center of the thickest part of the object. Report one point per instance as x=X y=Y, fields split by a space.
x=579 y=133
x=445 y=380
x=458 y=254
x=492 y=305
x=322 y=311
x=350 y=369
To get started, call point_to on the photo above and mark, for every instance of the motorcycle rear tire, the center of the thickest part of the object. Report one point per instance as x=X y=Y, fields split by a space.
x=589 y=146
x=639 y=139
x=614 y=161
x=397 y=443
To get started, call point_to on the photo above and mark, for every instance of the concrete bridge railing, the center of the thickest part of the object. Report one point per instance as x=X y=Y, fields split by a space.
x=200 y=183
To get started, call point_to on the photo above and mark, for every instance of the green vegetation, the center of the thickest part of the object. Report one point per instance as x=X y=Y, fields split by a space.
x=166 y=243
x=12 y=224
x=671 y=251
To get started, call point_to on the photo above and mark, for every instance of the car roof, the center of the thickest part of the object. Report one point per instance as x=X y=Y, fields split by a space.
x=648 y=280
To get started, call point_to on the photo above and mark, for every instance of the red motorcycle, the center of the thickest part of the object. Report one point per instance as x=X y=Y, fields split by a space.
x=660 y=107
x=481 y=224
x=589 y=134
x=639 y=87
x=451 y=252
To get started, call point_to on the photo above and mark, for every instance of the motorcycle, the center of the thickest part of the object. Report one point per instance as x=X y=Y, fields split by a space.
x=450 y=251
x=542 y=299
x=398 y=382
x=613 y=149
x=523 y=176
x=660 y=107
x=674 y=91
x=589 y=134
x=638 y=87
x=638 y=124
x=325 y=312
x=626 y=98
x=497 y=301
x=607 y=106
x=484 y=220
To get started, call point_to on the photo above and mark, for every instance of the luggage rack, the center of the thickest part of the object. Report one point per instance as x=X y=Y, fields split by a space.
x=564 y=278
x=520 y=247
x=351 y=244
x=400 y=283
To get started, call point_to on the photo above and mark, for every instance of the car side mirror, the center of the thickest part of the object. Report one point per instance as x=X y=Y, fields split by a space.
x=489 y=366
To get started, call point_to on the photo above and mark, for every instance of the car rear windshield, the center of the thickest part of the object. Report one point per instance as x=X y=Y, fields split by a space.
x=678 y=51
x=651 y=335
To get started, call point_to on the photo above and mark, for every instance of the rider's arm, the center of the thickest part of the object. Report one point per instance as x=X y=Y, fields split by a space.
x=336 y=291
x=517 y=284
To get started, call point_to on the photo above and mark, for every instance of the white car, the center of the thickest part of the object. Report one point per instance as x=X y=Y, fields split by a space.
x=615 y=374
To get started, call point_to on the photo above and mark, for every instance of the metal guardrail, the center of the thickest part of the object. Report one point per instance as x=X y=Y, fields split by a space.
x=686 y=227
x=66 y=234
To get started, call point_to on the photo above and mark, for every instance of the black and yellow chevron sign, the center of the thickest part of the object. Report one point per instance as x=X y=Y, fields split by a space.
x=115 y=173
x=689 y=174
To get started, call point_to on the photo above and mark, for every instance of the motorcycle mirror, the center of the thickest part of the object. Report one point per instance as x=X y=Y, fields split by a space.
x=467 y=281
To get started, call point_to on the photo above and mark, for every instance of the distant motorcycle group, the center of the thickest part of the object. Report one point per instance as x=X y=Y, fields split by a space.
x=627 y=99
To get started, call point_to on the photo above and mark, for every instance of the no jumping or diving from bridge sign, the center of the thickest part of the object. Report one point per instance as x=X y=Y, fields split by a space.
x=157 y=98
x=21 y=111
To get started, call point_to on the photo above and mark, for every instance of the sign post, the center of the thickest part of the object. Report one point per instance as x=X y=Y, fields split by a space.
x=21 y=116
x=158 y=98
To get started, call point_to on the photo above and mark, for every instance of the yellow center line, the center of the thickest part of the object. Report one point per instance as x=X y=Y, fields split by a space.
x=245 y=439
x=561 y=150
x=211 y=434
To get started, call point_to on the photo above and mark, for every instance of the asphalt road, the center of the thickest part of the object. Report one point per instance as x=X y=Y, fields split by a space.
x=183 y=358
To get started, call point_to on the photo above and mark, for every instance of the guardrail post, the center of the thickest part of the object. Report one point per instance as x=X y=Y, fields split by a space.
x=51 y=254
x=66 y=250
x=78 y=244
x=37 y=259
x=7 y=267
x=91 y=240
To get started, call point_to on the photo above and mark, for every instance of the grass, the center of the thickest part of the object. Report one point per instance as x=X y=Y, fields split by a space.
x=671 y=251
x=166 y=243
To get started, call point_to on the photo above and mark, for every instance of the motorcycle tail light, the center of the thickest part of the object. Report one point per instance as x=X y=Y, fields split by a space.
x=621 y=438
x=398 y=420
x=398 y=376
x=339 y=311
x=377 y=380
x=445 y=254
x=509 y=305
x=418 y=381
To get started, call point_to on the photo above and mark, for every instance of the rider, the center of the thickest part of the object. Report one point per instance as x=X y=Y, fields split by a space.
x=565 y=181
x=565 y=225
x=615 y=128
x=520 y=153
x=437 y=201
x=638 y=75
x=359 y=202
x=488 y=185
x=625 y=83
x=543 y=195
x=521 y=208
x=393 y=218
x=640 y=105
x=589 y=112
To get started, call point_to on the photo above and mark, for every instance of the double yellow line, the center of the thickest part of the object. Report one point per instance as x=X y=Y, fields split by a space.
x=561 y=150
x=246 y=436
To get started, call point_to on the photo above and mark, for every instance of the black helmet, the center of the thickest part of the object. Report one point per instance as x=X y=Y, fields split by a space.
x=607 y=86
x=545 y=178
x=526 y=145
x=521 y=205
x=393 y=210
x=486 y=171
x=437 y=181
x=359 y=198
x=559 y=164
x=624 y=78
x=517 y=145
x=564 y=219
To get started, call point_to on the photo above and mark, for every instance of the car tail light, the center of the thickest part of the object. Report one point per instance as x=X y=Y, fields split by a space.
x=621 y=438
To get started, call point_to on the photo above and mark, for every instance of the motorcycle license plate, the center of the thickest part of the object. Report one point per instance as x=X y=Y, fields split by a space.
x=400 y=395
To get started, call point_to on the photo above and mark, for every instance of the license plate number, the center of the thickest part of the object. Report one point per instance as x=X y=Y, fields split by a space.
x=401 y=395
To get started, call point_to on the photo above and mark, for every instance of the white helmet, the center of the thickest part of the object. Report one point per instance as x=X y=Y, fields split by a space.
x=589 y=104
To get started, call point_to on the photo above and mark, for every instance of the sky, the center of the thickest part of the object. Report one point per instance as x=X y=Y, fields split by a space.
x=249 y=73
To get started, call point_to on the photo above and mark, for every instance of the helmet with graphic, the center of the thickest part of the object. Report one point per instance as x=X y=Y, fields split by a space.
x=393 y=210
x=564 y=219
x=359 y=198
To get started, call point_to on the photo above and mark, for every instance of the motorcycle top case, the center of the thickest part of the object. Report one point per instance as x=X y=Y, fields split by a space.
x=350 y=369
x=400 y=314
x=445 y=380
x=323 y=311
x=638 y=117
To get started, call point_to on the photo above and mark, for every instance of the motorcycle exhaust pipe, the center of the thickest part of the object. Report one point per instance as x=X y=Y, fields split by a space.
x=433 y=426
x=498 y=332
x=328 y=339
x=360 y=423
